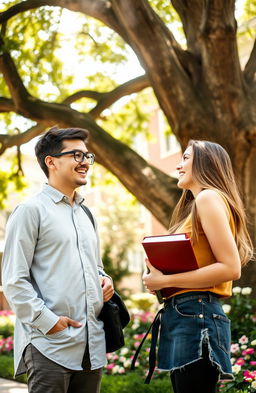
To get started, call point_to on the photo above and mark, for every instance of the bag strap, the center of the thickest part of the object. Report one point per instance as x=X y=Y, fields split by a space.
x=152 y=353
x=89 y=214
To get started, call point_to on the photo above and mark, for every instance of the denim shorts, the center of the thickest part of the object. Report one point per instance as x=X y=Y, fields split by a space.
x=189 y=321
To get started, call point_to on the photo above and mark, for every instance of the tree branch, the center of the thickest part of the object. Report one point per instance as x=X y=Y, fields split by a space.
x=250 y=67
x=7 y=141
x=220 y=61
x=22 y=7
x=111 y=153
x=6 y=105
x=107 y=99
x=190 y=12
x=11 y=76
x=151 y=39
x=94 y=95
x=97 y=9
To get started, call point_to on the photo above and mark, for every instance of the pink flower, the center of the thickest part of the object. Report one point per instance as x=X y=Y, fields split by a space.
x=6 y=313
x=110 y=366
x=147 y=317
x=136 y=344
x=253 y=363
x=249 y=375
x=248 y=351
x=6 y=344
x=234 y=348
x=243 y=340
x=138 y=336
x=240 y=361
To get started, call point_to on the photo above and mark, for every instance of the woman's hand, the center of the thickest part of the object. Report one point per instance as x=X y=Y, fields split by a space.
x=153 y=279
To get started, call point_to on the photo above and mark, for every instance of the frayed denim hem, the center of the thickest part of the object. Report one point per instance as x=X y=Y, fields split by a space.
x=204 y=340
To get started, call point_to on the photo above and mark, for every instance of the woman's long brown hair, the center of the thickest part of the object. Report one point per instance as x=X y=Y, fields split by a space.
x=212 y=169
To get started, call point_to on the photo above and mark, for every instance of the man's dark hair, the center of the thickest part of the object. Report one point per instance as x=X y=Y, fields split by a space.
x=52 y=143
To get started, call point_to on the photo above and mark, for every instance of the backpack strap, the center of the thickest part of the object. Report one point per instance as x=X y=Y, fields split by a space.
x=89 y=214
x=152 y=354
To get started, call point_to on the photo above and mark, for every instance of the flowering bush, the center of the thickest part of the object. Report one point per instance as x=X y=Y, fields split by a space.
x=142 y=309
x=119 y=362
x=242 y=313
x=6 y=345
x=142 y=301
x=7 y=319
x=244 y=366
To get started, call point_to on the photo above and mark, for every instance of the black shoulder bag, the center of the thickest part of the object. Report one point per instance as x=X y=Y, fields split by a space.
x=114 y=313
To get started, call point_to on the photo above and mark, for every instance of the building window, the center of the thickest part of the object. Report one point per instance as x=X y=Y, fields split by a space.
x=168 y=142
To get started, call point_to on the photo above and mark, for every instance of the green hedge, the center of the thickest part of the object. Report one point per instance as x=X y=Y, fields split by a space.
x=134 y=383
x=6 y=369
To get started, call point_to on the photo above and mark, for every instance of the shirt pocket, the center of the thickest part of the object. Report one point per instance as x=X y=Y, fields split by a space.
x=222 y=326
x=60 y=333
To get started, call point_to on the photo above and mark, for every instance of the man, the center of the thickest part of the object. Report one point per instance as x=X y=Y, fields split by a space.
x=53 y=276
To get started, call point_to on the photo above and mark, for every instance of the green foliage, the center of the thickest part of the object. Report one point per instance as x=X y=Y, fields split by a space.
x=4 y=179
x=142 y=301
x=135 y=384
x=115 y=215
x=95 y=39
x=9 y=181
x=7 y=370
x=242 y=313
x=165 y=10
x=249 y=9
x=11 y=178
x=6 y=327
x=58 y=52
x=132 y=120
x=115 y=268
x=119 y=362
x=32 y=38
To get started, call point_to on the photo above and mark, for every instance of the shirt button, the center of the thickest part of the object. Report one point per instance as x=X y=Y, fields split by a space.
x=201 y=316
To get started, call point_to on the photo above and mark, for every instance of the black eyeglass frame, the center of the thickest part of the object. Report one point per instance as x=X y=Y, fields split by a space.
x=90 y=157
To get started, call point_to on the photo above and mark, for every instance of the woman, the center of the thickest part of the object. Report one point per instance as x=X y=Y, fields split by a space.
x=195 y=333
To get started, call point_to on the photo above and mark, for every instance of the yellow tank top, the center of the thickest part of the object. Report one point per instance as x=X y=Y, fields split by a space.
x=205 y=256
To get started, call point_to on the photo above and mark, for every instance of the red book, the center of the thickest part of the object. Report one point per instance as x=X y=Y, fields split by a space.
x=171 y=254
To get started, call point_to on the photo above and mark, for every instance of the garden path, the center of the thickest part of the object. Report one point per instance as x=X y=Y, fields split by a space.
x=7 y=386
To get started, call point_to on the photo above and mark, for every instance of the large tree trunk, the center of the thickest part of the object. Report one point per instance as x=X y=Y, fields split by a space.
x=210 y=97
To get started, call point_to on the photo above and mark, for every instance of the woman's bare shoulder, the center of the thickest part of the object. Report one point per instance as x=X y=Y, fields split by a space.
x=210 y=199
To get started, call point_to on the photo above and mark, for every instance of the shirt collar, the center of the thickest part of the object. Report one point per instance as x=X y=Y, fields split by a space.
x=58 y=196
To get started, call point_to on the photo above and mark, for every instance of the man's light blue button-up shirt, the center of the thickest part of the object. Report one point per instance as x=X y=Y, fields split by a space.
x=51 y=267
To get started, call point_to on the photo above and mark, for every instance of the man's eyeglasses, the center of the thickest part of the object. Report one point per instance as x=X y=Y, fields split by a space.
x=78 y=155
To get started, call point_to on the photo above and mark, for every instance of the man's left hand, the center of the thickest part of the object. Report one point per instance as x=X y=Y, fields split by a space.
x=107 y=287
